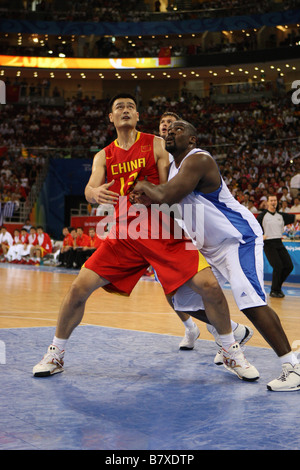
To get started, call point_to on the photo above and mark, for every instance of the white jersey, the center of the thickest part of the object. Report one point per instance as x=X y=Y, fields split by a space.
x=217 y=217
x=6 y=238
x=229 y=237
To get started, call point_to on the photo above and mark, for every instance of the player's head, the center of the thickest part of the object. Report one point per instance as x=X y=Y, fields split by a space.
x=118 y=97
x=182 y=135
x=166 y=119
x=123 y=111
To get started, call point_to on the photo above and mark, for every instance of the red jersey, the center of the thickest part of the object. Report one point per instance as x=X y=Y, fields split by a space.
x=95 y=241
x=68 y=240
x=44 y=241
x=84 y=240
x=125 y=166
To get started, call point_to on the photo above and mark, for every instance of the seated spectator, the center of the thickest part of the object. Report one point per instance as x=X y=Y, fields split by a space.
x=95 y=242
x=41 y=246
x=251 y=207
x=67 y=246
x=284 y=207
x=81 y=244
x=23 y=246
x=246 y=200
x=295 y=183
x=285 y=195
x=296 y=206
x=13 y=251
x=6 y=241
x=29 y=242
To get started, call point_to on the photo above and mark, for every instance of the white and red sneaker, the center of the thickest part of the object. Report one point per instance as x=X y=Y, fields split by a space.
x=241 y=334
x=235 y=361
x=52 y=363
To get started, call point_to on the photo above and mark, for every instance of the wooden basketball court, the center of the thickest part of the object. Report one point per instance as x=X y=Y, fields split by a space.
x=32 y=297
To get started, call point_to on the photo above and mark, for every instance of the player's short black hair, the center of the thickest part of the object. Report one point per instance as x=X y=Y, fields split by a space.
x=192 y=129
x=118 y=96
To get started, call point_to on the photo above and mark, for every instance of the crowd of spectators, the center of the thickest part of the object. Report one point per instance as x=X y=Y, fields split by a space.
x=257 y=145
x=105 y=10
x=105 y=48
x=18 y=172
x=159 y=46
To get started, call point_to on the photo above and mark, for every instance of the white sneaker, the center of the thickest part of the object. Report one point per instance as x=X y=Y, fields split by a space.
x=288 y=381
x=241 y=334
x=52 y=363
x=235 y=361
x=190 y=338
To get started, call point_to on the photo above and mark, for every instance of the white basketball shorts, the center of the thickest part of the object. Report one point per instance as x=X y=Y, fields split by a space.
x=241 y=265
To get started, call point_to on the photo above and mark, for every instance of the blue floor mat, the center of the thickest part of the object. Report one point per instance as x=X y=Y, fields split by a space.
x=130 y=390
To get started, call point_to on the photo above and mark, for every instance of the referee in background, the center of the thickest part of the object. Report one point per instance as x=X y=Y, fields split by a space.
x=273 y=223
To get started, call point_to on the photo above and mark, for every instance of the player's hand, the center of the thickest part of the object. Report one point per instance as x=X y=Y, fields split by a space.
x=102 y=194
x=137 y=195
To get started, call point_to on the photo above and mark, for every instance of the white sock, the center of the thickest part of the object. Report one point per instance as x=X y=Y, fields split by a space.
x=189 y=323
x=227 y=340
x=214 y=332
x=289 y=357
x=59 y=343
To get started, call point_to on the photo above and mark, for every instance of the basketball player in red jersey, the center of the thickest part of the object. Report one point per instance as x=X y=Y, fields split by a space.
x=121 y=260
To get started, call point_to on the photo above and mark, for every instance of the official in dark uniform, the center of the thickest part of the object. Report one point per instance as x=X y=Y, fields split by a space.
x=273 y=223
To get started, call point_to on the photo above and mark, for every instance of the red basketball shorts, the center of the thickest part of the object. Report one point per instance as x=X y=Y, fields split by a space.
x=123 y=262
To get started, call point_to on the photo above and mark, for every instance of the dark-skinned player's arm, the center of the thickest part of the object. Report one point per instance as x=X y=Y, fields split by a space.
x=186 y=180
x=96 y=190
x=162 y=162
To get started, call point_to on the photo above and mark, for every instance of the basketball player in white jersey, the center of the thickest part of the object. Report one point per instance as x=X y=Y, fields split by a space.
x=241 y=333
x=229 y=237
